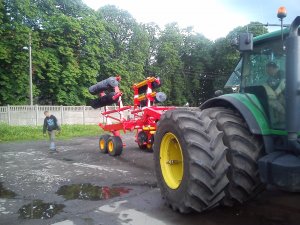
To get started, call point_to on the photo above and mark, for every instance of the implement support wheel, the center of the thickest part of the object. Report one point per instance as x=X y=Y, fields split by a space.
x=114 y=146
x=103 y=143
x=141 y=139
x=143 y=142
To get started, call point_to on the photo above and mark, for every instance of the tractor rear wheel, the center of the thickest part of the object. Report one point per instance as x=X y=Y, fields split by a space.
x=190 y=161
x=103 y=143
x=244 y=150
x=114 y=146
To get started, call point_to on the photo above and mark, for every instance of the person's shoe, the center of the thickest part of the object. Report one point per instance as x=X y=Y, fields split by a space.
x=53 y=151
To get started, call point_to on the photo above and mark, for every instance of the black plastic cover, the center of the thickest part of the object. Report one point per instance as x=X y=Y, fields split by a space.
x=280 y=169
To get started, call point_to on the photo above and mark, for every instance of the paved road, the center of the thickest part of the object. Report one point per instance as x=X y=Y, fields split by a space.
x=80 y=186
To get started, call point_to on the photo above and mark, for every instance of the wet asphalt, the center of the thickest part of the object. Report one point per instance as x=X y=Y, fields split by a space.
x=41 y=188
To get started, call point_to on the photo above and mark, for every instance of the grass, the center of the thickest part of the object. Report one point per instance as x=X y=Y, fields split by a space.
x=22 y=133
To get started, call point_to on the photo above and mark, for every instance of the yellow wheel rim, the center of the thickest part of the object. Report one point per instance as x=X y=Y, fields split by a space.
x=110 y=146
x=171 y=160
x=102 y=144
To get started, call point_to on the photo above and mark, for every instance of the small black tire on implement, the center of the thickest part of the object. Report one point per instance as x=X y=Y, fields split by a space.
x=114 y=146
x=103 y=143
x=141 y=139
x=244 y=150
x=150 y=145
x=142 y=147
x=190 y=161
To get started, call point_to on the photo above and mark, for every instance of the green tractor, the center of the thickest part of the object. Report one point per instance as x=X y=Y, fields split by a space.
x=228 y=150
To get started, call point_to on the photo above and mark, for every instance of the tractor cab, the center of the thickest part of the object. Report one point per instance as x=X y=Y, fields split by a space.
x=266 y=86
x=267 y=80
x=261 y=72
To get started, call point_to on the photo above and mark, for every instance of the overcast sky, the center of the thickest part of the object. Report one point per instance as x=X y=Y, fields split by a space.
x=212 y=18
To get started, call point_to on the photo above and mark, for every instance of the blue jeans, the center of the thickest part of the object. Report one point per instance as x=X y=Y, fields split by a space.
x=52 y=138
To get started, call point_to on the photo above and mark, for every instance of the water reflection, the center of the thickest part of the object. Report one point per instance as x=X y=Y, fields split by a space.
x=4 y=193
x=90 y=192
x=37 y=209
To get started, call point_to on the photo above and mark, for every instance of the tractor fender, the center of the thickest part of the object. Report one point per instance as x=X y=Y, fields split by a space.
x=232 y=102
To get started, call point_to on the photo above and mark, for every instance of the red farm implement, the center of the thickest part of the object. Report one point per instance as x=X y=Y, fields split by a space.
x=141 y=117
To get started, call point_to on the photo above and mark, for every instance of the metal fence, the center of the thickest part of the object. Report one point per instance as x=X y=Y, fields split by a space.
x=34 y=115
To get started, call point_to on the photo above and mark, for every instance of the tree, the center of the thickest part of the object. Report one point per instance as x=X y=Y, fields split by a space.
x=169 y=64
x=129 y=48
x=74 y=46
x=68 y=42
x=14 y=79
x=153 y=33
x=256 y=28
x=226 y=55
x=195 y=55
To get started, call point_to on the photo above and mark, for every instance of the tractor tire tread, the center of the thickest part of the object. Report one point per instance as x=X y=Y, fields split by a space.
x=204 y=180
x=244 y=151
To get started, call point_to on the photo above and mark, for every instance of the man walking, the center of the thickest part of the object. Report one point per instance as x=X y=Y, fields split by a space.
x=51 y=125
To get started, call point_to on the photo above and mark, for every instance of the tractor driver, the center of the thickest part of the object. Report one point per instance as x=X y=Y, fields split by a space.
x=275 y=78
x=275 y=85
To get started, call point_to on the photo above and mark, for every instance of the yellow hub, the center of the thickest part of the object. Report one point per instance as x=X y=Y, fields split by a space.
x=171 y=160
x=110 y=146
x=102 y=144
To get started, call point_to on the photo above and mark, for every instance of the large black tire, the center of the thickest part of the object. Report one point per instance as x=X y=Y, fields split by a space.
x=244 y=151
x=203 y=181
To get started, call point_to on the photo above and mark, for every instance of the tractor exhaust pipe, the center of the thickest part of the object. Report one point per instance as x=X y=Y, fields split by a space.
x=293 y=86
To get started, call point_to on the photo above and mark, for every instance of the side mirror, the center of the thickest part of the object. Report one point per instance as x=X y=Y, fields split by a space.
x=245 y=42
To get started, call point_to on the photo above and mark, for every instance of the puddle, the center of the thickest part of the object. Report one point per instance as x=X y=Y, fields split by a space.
x=4 y=193
x=90 y=192
x=67 y=159
x=40 y=210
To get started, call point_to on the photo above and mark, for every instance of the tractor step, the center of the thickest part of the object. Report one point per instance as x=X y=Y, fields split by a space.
x=280 y=169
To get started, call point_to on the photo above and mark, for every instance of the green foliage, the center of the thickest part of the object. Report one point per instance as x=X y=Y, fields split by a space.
x=73 y=47
x=226 y=56
x=129 y=45
x=197 y=60
x=21 y=133
x=169 y=64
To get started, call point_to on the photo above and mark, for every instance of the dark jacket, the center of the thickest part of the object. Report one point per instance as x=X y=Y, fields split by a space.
x=50 y=123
